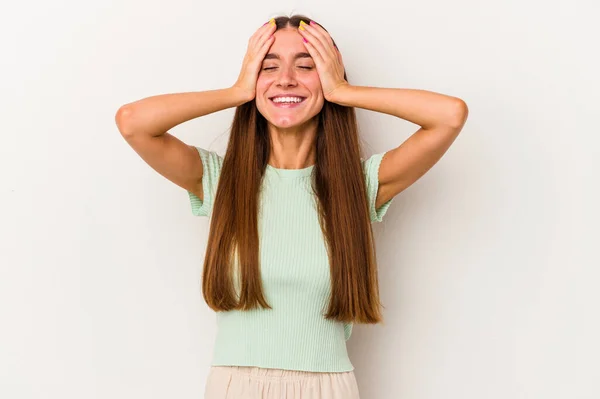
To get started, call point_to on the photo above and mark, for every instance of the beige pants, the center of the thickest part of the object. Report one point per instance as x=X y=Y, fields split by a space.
x=240 y=382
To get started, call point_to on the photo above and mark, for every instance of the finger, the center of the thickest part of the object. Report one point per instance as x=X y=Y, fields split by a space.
x=259 y=49
x=324 y=36
x=322 y=30
x=314 y=53
x=339 y=55
x=312 y=50
x=262 y=51
x=316 y=44
x=263 y=32
x=318 y=40
x=267 y=34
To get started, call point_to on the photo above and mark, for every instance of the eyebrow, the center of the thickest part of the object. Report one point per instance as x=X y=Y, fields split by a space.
x=276 y=56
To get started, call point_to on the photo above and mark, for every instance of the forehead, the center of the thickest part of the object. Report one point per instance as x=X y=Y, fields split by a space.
x=287 y=42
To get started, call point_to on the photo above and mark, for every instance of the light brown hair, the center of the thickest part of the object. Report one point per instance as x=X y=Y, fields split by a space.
x=338 y=183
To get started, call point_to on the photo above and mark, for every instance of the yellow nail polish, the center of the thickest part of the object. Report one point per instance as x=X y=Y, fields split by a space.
x=272 y=21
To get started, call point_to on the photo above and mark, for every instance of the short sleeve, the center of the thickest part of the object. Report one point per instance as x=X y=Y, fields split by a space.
x=211 y=170
x=347 y=331
x=371 y=171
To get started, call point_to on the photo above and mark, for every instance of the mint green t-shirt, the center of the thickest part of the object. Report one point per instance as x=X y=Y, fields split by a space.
x=294 y=266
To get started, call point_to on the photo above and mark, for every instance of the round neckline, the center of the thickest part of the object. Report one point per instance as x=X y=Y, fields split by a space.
x=290 y=172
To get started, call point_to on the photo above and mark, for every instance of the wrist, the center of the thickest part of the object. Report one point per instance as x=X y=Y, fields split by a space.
x=338 y=94
x=240 y=95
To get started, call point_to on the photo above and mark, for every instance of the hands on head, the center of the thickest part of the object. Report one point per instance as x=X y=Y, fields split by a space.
x=318 y=43
x=258 y=45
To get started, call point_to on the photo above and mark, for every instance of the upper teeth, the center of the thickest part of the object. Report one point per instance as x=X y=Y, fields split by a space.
x=287 y=99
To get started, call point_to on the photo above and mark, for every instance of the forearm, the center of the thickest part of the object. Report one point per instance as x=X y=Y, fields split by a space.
x=424 y=108
x=153 y=116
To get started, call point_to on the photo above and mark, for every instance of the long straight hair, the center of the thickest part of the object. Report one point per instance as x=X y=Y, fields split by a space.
x=338 y=183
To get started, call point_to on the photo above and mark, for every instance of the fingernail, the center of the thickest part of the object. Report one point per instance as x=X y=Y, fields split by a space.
x=305 y=41
x=312 y=22
x=302 y=23
x=272 y=21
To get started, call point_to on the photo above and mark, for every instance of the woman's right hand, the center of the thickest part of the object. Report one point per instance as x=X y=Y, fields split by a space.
x=258 y=45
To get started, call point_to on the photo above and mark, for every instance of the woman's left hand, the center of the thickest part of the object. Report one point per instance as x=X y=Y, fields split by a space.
x=326 y=56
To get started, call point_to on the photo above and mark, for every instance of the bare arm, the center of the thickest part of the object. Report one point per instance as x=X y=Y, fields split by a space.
x=145 y=123
x=441 y=117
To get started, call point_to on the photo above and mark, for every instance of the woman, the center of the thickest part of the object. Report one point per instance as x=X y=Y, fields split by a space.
x=290 y=262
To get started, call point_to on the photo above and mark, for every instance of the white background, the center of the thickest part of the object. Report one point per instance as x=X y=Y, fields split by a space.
x=488 y=264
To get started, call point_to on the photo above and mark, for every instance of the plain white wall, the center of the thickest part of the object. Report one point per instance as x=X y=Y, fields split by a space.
x=488 y=264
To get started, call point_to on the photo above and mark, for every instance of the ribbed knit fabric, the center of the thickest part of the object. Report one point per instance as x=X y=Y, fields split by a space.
x=294 y=264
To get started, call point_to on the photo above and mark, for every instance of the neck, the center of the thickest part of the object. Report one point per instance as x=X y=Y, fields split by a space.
x=293 y=147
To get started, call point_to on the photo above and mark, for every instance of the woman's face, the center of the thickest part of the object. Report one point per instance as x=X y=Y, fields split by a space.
x=288 y=71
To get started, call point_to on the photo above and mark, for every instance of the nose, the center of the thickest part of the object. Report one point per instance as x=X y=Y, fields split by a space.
x=286 y=77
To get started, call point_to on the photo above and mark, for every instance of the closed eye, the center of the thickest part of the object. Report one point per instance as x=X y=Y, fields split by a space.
x=302 y=67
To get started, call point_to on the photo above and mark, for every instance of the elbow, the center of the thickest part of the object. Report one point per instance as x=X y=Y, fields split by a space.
x=456 y=114
x=460 y=113
x=123 y=119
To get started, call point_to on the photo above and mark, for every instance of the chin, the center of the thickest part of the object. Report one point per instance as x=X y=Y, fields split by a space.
x=289 y=121
x=286 y=122
x=285 y=119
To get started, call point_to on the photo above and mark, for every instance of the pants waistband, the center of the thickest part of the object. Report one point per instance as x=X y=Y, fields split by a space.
x=268 y=373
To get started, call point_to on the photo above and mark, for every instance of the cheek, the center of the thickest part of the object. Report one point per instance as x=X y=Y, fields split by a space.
x=265 y=78
x=313 y=82
x=261 y=87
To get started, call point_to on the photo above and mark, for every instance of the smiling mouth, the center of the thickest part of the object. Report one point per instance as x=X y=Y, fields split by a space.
x=288 y=103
